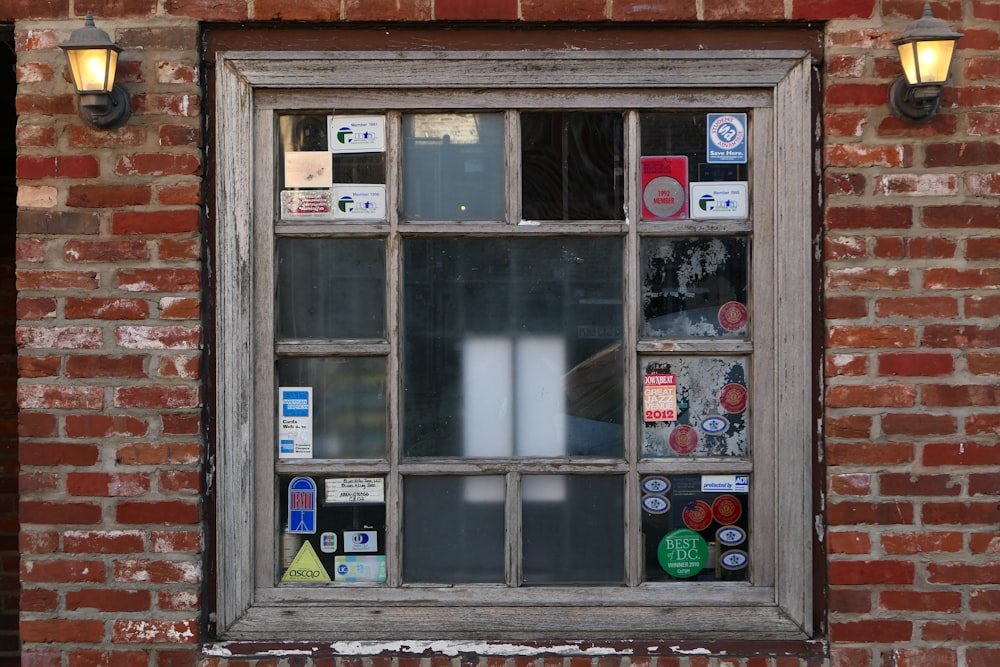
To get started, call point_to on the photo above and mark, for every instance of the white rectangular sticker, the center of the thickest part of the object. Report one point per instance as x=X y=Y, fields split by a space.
x=295 y=422
x=719 y=199
x=357 y=134
x=359 y=202
x=359 y=568
x=360 y=541
x=308 y=169
x=306 y=205
x=343 y=490
x=731 y=483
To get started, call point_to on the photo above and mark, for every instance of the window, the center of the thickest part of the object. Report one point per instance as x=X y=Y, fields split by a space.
x=513 y=346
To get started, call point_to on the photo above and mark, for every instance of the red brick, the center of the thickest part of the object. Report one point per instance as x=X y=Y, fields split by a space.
x=104 y=542
x=867 y=337
x=280 y=10
x=844 y=247
x=107 y=485
x=155 y=632
x=862 y=155
x=960 y=513
x=918 y=424
x=960 y=336
x=845 y=124
x=158 y=164
x=889 y=247
x=982 y=424
x=977 y=656
x=41 y=279
x=108 y=196
x=140 y=512
x=206 y=10
x=849 y=426
x=872 y=396
x=854 y=513
x=923 y=657
x=108 y=600
x=180 y=480
x=188 y=368
x=504 y=10
x=853 y=95
x=852 y=484
x=966 y=453
x=871 y=631
x=77 y=630
x=187 y=135
x=868 y=453
x=39 y=396
x=38 y=367
x=982 y=306
x=845 y=365
x=943 y=601
x=963 y=573
x=982 y=185
x=93 y=366
x=56 y=454
x=830 y=9
x=912 y=484
x=32 y=482
x=117 y=9
x=179 y=194
x=947 y=278
x=858 y=573
x=81 y=250
x=930 y=247
x=171 y=104
x=87 y=137
x=156 y=571
x=845 y=307
x=59 y=513
x=34 y=425
x=178 y=600
x=159 y=39
x=961 y=217
x=158 y=338
x=38 y=600
x=848 y=543
x=182 y=423
x=34 y=167
x=985 y=600
x=917 y=307
x=101 y=658
x=156 y=222
x=159 y=280
x=859 y=278
x=188 y=308
x=192 y=658
x=175 y=541
x=147 y=453
x=960 y=395
x=103 y=426
x=157 y=397
x=30 y=250
x=916 y=364
x=35 y=308
x=654 y=10
x=387 y=10
x=179 y=249
x=568 y=10
x=38 y=542
x=62 y=571
x=106 y=309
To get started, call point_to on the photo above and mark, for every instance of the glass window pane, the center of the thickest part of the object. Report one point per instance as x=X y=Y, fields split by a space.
x=331 y=288
x=685 y=133
x=571 y=165
x=453 y=167
x=348 y=403
x=695 y=527
x=693 y=287
x=573 y=529
x=453 y=529
x=712 y=405
x=512 y=347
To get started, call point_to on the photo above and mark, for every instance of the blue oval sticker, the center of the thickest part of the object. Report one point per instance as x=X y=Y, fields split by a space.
x=736 y=559
x=730 y=536
x=656 y=484
x=655 y=504
x=715 y=424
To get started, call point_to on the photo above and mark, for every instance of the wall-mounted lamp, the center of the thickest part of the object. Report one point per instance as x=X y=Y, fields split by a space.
x=925 y=51
x=93 y=61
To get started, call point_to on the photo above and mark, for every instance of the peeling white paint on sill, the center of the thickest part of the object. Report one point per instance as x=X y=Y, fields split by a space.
x=449 y=648
x=694 y=651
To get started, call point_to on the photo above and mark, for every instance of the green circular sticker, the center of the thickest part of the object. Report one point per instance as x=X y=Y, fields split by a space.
x=682 y=553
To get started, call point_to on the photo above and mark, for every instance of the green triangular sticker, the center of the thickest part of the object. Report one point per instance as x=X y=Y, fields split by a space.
x=306 y=566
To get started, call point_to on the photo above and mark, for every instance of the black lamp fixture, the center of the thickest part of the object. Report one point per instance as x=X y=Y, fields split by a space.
x=925 y=51
x=93 y=61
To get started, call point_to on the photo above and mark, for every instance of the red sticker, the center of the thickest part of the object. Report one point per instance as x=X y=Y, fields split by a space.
x=697 y=515
x=734 y=398
x=683 y=439
x=726 y=509
x=733 y=316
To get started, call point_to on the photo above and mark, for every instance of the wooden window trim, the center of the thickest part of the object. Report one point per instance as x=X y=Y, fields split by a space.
x=248 y=83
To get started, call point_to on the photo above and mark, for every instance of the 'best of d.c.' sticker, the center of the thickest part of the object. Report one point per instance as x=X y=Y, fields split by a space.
x=682 y=553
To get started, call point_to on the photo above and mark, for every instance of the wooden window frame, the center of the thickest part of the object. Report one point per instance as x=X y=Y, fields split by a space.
x=775 y=85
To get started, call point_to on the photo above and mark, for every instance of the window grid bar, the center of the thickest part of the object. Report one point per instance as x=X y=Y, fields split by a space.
x=630 y=320
x=394 y=492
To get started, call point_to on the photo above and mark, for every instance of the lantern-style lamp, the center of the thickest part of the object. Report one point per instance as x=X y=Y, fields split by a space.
x=925 y=51
x=93 y=61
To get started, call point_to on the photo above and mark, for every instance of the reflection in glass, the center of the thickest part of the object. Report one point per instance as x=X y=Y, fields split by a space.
x=693 y=287
x=453 y=529
x=712 y=406
x=512 y=347
x=573 y=529
x=331 y=288
x=684 y=133
x=453 y=167
x=348 y=403
x=572 y=165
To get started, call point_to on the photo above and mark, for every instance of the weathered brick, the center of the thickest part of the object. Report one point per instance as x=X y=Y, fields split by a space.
x=960 y=336
x=569 y=10
x=101 y=484
x=159 y=280
x=157 y=572
x=889 y=395
x=848 y=426
x=35 y=308
x=93 y=366
x=871 y=337
x=853 y=484
x=106 y=309
x=852 y=513
x=476 y=11
x=155 y=632
x=186 y=135
x=987 y=424
x=869 y=453
x=102 y=426
x=41 y=396
x=178 y=600
x=179 y=480
x=179 y=194
x=103 y=542
x=41 y=279
x=912 y=484
x=157 y=397
x=865 y=278
x=158 y=164
x=654 y=10
x=47 y=631
x=156 y=222
x=179 y=249
x=108 y=196
x=175 y=541
x=858 y=573
x=147 y=453
x=65 y=338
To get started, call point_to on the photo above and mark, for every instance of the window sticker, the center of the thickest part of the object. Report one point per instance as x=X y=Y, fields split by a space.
x=359 y=202
x=659 y=397
x=357 y=134
x=308 y=169
x=306 y=204
x=715 y=200
x=733 y=316
x=664 y=187
x=360 y=541
x=727 y=137
x=295 y=422
x=682 y=553
x=328 y=543
x=353 y=490
x=302 y=506
x=306 y=566
x=360 y=568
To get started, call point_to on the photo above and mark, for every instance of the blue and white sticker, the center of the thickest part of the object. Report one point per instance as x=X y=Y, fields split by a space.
x=359 y=202
x=731 y=536
x=302 y=505
x=295 y=422
x=655 y=504
x=727 y=137
x=713 y=200
x=725 y=483
x=656 y=484
x=360 y=541
x=714 y=424
x=736 y=559
x=357 y=134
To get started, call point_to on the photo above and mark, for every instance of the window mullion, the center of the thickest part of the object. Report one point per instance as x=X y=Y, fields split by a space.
x=630 y=319
x=513 y=563
x=512 y=166
x=394 y=550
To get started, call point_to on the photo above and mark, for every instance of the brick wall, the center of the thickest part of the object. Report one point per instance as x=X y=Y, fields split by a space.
x=109 y=280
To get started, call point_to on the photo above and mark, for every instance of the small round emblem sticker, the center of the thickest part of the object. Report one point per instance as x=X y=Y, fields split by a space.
x=733 y=316
x=733 y=398
x=726 y=509
x=697 y=515
x=683 y=439
x=682 y=553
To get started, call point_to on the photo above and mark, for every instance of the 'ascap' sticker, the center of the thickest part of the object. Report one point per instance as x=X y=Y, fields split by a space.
x=726 y=509
x=683 y=439
x=730 y=536
x=714 y=424
x=656 y=484
x=736 y=559
x=655 y=504
x=733 y=316
x=306 y=566
x=697 y=515
x=733 y=398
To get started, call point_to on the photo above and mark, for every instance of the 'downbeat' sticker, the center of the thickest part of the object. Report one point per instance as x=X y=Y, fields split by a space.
x=682 y=553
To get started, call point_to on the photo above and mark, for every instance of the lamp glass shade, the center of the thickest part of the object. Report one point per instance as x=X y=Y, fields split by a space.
x=93 y=69
x=926 y=61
